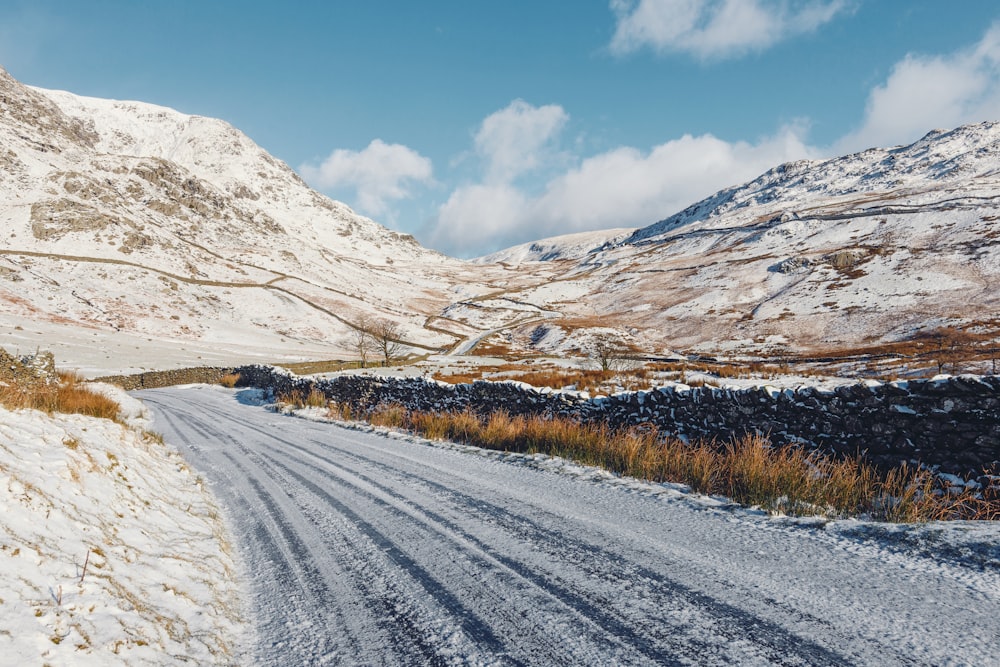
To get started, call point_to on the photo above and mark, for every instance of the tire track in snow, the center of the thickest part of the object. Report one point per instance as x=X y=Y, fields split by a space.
x=389 y=610
x=296 y=580
x=560 y=569
x=776 y=642
x=575 y=602
x=434 y=523
x=626 y=645
x=474 y=627
x=596 y=561
x=656 y=640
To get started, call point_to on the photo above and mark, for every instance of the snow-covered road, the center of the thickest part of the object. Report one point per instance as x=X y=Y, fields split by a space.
x=365 y=549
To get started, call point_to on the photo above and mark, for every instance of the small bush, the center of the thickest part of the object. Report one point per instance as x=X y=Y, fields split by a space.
x=80 y=400
x=390 y=416
x=341 y=411
x=229 y=380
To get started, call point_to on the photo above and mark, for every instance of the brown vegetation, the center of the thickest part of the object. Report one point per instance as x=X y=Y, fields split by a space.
x=297 y=399
x=66 y=395
x=492 y=349
x=749 y=470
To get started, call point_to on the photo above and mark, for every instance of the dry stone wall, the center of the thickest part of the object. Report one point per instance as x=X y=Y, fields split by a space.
x=953 y=423
x=155 y=379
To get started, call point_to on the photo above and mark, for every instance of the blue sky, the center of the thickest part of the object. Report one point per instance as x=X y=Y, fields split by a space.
x=477 y=125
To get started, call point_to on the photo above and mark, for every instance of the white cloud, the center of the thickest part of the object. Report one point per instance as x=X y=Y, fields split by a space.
x=628 y=187
x=712 y=29
x=512 y=140
x=620 y=188
x=479 y=218
x=378 y=174
x=927 y=92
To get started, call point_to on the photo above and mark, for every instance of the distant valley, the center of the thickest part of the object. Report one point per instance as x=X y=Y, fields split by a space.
x=135 y=236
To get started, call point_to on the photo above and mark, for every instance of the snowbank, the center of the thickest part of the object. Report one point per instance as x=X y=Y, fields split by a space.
x=111 y=551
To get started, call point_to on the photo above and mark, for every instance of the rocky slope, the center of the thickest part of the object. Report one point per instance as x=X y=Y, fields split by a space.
x=130 y=219
x=812 y=255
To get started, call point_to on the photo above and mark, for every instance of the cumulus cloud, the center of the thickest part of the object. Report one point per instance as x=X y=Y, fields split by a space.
x=712 y=29
x=480 y=218
x=378 y=174
x=512 y=140
x=629 y=187
x=927 y=92
x=624 y=187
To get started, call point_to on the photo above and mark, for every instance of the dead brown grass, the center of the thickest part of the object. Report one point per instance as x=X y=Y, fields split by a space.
x=229 y=380
x=298 y=399
x=466 y=377
x=490 y=349
x=583 y=380
x=68 y=395
x=789 y=480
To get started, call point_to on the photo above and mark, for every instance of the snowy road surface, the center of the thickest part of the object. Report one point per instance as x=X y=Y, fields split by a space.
x=365 y=549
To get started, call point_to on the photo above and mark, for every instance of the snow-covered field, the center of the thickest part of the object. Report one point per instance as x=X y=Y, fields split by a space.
x=372 y=547
x=112 y=552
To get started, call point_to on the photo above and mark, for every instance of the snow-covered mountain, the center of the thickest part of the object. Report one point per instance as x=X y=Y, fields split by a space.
x=811 y=255
x=134 y=223
x=136 y=236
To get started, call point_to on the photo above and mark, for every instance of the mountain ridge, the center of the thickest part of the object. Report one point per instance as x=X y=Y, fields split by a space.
x=811 y=255
x=218 y=243
x=178 y=237
x=869 y=171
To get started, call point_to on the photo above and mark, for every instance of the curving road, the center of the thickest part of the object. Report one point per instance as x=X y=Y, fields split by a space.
x=364 y=549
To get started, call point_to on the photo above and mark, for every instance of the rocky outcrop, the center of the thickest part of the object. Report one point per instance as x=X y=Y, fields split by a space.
x=27 y=371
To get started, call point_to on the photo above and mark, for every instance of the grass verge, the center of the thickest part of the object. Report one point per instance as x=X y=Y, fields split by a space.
x=749 y=470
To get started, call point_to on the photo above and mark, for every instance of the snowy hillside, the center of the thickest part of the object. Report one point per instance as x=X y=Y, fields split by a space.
x=569 y=246
x=963 y=163
x=124 y=218
x=812 y=255
x=136 y=237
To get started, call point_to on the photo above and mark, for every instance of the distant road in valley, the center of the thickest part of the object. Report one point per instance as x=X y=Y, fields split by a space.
x=365 y=549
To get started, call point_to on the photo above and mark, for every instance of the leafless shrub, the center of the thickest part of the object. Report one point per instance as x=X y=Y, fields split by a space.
x=363 y=339
x=610 y=353
x=385 y=334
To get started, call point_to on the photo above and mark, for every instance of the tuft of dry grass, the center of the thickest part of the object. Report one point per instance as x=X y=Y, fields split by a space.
x=467 y=377
x=297 y=399
x=229 y=380
x=67 y=395
x=750 y=470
